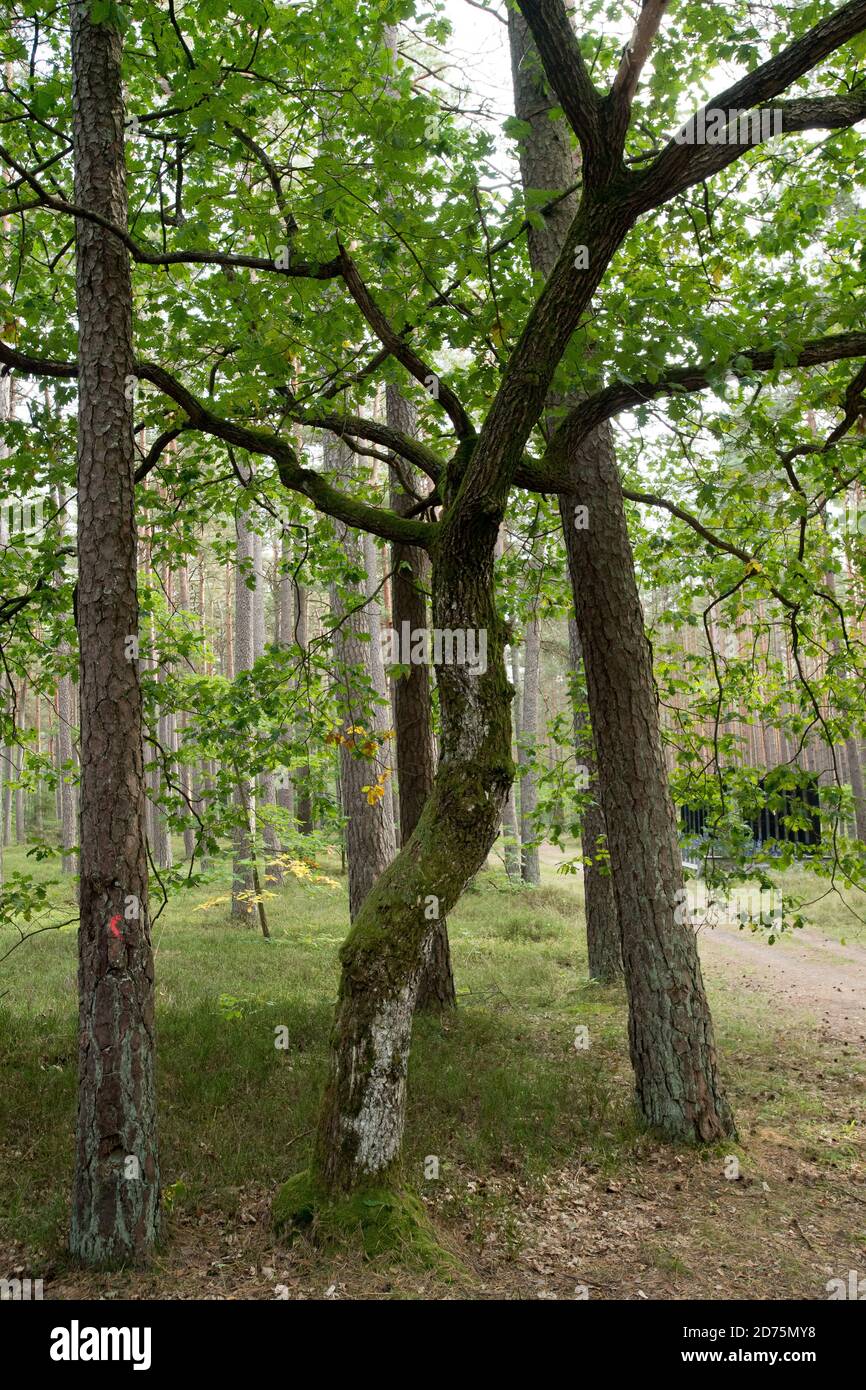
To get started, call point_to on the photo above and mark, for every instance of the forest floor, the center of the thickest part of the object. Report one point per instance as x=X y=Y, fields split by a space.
x=548 y=1188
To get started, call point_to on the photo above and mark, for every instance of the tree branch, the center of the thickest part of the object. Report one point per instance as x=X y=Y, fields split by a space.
x=144 y=255
x=567 y=73
x=399 y=348
x=413 y=450
x=635 y=54
x=308 y=483
x=680 y=164
x=621 y=395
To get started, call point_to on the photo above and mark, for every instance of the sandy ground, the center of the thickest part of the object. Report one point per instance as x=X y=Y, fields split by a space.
x=804 y=973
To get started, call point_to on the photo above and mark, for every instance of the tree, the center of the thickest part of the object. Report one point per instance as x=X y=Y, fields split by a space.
x=240 y=397
x=115 y=1202
x=370 y=831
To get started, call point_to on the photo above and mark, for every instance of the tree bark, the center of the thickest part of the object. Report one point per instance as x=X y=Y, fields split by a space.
x=115 y=1199
x=413 y=710
x=301 y=781
x=527 y=750
x=363 y=1113
x=603 y=946
x=244 y=795
x=370 y=832
x=671 y=1038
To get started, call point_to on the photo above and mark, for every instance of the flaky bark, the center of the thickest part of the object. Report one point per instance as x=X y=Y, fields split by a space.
x=671 y=1036
x=115 y=1200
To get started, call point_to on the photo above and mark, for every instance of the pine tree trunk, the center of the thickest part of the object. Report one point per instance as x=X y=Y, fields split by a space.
x=515 y=790
x=548 y=161
x=604 y=950
x=244 y=795
x=671 y=1037
x=68 y=809
x=670 y=1029
x=371 y=841
x=301 y=780
x=115 y=1199
x=527 y=751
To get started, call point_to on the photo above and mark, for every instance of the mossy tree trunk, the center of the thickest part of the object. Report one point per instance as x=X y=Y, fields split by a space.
x=361 y=1125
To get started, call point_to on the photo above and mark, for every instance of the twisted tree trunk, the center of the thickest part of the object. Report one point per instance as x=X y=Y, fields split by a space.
x=361 y=1124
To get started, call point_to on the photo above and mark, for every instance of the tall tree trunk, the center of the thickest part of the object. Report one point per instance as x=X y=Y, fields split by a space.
x=244 y=795
x=603 y=948
x=302 y=780
x=527 y=750
x=513 y=800
x=413 y=710
x=267 y=780
x=185 y=770
x=370 y=832
x=671 y=1035
x=115 y=1198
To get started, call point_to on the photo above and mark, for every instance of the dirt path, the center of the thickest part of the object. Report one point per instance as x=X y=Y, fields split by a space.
x=804 y=974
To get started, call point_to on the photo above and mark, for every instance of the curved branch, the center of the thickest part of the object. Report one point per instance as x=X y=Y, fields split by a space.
x=399 y=348
x=310 y=484
x=143 y=255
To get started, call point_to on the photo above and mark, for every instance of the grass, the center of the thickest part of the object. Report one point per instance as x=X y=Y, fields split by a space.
x=498 y=1094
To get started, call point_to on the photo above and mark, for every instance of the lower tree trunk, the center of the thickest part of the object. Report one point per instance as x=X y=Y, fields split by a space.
x=361 y=1123
x=604 y=950
x=510 y=837
x=671 y=1039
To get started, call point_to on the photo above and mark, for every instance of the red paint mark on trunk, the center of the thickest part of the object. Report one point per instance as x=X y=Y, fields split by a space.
x=112 y=927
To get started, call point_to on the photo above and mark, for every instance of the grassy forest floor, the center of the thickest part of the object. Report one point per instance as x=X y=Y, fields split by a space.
x=546 y=1182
